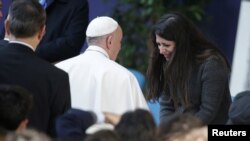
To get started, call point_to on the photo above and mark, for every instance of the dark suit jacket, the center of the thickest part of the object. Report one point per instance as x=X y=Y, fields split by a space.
x=66 y=25
x=49 y=85
x=209 y=94
x=3 y=43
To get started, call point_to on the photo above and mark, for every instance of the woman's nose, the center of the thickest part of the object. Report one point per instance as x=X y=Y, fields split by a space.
x=162 y=50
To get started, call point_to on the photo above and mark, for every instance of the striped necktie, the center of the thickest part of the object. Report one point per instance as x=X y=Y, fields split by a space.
x=43 y=3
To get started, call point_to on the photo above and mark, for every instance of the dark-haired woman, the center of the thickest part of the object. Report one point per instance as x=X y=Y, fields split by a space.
x=187 y=72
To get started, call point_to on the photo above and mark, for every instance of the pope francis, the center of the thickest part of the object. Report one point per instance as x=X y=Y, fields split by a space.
x=97 y=82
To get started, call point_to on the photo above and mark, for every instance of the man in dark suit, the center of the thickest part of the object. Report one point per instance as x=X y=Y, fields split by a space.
x=19 y=65
x=66 y=24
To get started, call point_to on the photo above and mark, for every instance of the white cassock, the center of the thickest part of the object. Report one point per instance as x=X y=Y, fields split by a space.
x=102 y=85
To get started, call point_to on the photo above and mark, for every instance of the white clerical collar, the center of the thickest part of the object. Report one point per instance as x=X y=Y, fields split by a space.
x=23 y=43
x=98 y=49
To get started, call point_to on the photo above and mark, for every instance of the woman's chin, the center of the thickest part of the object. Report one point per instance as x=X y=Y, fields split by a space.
x=167 y=57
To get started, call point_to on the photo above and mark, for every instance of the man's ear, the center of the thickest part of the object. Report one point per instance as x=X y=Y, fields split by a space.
x=109 y=41
x=7 y=27
x=22 y=125
x=41 y=32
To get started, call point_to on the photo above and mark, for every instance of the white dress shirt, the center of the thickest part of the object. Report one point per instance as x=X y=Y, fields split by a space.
x=102 y=85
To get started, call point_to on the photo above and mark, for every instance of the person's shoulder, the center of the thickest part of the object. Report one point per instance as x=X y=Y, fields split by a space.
x=114 y=66
x=4 y=46
x=77 y=62
x=214 y=66
x=49 y=68
x=3 y=43
x=120 y=72
x=213 y=61
x=68 y=62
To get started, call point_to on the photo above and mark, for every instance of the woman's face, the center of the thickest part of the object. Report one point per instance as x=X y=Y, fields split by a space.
x=165 y=47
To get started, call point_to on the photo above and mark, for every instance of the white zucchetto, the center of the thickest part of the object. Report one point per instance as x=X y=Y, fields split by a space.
x=101 y=26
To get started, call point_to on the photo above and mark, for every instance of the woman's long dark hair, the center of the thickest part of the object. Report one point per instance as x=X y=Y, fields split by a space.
x=191 y=48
